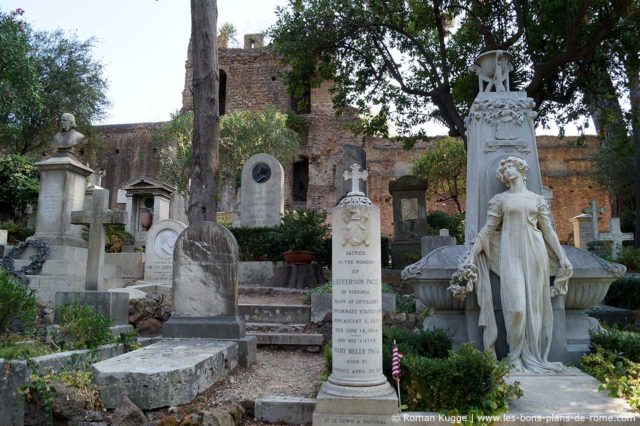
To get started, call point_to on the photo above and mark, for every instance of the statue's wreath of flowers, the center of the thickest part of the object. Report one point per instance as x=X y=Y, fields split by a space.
x=37 y=260
x=463 y=280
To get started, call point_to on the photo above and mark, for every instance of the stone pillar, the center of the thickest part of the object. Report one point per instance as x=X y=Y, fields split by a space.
x=357 y=387
x=161 y=206
x=63 y=181
x=130 y=226
x=582 y=230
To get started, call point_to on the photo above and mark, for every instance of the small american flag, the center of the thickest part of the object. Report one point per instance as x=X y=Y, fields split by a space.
x=396 y=357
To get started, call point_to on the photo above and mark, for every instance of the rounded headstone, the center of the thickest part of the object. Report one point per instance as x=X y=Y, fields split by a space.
x=262 y=195
x=161 y=240
x=205 y=272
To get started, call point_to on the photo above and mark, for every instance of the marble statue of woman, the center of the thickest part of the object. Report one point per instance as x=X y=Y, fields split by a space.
x=519 y=244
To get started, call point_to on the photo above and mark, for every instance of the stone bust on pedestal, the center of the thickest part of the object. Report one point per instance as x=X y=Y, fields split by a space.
x=68 y=137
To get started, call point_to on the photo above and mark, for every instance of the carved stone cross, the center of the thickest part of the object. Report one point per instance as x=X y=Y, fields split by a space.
x=96 y=216
x=355 y=175
x=593 y=210
x=616 y=236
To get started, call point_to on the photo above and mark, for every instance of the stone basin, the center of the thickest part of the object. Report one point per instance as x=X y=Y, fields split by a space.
x=430 y=277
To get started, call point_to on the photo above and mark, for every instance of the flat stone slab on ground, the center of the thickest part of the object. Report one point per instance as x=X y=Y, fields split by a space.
x=170 y=372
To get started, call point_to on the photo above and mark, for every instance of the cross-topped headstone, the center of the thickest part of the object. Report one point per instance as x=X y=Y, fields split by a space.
x=96 y=216
x=616 y=236
x=593 y=210
x=355 y=175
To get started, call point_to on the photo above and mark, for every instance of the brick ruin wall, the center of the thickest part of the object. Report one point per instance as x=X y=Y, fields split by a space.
x=254 y=78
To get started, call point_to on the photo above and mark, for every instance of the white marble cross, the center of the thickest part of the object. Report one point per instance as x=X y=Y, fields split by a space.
x=616 y=236
x=593 y=210
x=96 y=216
x=355 y=175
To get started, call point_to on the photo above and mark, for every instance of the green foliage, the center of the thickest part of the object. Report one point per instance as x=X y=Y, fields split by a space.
x=298 y=123
x=302 y=229
x=18 y=305
x=24 y=350
x=83 y=326
x=257 y=243
x=629 y=257
x=42 y=75
x=115 y=237
x=325 y=288
x=129 y=340
x=622 y=343
x=437 y=220
x=467 y=382
x=433 y=343
x=624 y=293
x=327 y=352
x=19 y=185
x=16 y=231
x=444 y=168
x=227 y=33
x=175 y=152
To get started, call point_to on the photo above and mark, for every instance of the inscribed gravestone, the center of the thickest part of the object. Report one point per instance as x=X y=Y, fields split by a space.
x=357 y=385
x=161 y=239
x=205 y=284
x=409 y=219
x=262 y=195
x=616 y=236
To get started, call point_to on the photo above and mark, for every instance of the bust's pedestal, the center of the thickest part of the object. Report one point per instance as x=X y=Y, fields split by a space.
x=63 y=181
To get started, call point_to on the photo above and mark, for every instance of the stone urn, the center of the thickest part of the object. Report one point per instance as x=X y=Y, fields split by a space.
x=146 y=218
x=591 y=280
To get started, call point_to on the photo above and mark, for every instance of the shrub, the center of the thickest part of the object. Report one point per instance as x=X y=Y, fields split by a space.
x=257 y=243
x=619 y=375
x=468 y=382
x=624 y=293
x=630 y=257
x=16 y=231
x=303 y=229
x=18 y=305
x=437 y=220
x=83 y=326
x=623 y=343
x=432 y=343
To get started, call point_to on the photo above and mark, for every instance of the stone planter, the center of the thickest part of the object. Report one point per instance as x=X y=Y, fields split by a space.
x=299 y=257
x=585 y=293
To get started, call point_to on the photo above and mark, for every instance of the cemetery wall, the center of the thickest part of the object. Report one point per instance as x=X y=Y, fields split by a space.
x=253 y=78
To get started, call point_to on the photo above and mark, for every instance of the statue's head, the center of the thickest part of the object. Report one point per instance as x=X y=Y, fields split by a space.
x=517 y=162
x=67 y=122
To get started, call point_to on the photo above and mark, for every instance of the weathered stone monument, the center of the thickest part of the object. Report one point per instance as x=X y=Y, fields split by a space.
x=501 y=136
x=431 y=242
x=205 y=288
x=262 y=194
x=409 y=219
x=161 y=240
x=4 y=236
x=357 y=390
x=113 y=305
x=582 y=231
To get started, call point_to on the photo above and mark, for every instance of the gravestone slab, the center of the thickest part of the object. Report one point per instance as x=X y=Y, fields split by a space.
x=409 y=219
x=262 y=195
x=582 y=231
x=616 y=236
x=205 y=284
x=161 y=239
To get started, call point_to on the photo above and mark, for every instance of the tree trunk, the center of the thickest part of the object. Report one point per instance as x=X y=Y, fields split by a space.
x=608 y=118
x=633 y=76
x=202 y=193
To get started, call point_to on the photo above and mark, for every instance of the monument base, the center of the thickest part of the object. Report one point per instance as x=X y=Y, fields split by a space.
x=343 y=404
x=404 y=253
x=578 y=327
x=113 y=305
x=218 y=327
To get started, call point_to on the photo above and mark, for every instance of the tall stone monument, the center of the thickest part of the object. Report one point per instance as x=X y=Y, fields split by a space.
x=262 y=195
x=409 y=219
x=357 y=390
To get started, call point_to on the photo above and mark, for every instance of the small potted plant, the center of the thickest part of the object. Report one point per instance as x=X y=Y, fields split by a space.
x=301 y=235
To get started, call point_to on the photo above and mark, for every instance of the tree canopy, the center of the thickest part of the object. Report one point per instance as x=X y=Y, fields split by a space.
x=42 y=75
x=409 y=59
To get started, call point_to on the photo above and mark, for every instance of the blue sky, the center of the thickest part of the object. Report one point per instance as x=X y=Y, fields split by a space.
x=142 y=43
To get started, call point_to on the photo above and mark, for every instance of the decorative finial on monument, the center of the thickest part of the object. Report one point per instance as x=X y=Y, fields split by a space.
x=68 y=137
x=355 y=175
x=493 y=70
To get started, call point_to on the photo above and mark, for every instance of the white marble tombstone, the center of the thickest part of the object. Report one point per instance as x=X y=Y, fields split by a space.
x=161 y=239
x=357 y=387
x=262 y=195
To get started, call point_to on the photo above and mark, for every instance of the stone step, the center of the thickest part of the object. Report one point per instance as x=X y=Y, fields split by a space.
x=273 y=327
x=269 y=291
x=275 y=313
x=292 y=410
x=289 y=339
x=168 y=373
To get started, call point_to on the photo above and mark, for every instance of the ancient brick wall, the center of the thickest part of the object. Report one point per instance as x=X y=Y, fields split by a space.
x=128 y=154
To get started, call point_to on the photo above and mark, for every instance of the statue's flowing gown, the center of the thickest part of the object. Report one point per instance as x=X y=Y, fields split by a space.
x=514 y=248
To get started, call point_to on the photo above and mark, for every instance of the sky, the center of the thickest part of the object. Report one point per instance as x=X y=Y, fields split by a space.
x=143 y=46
